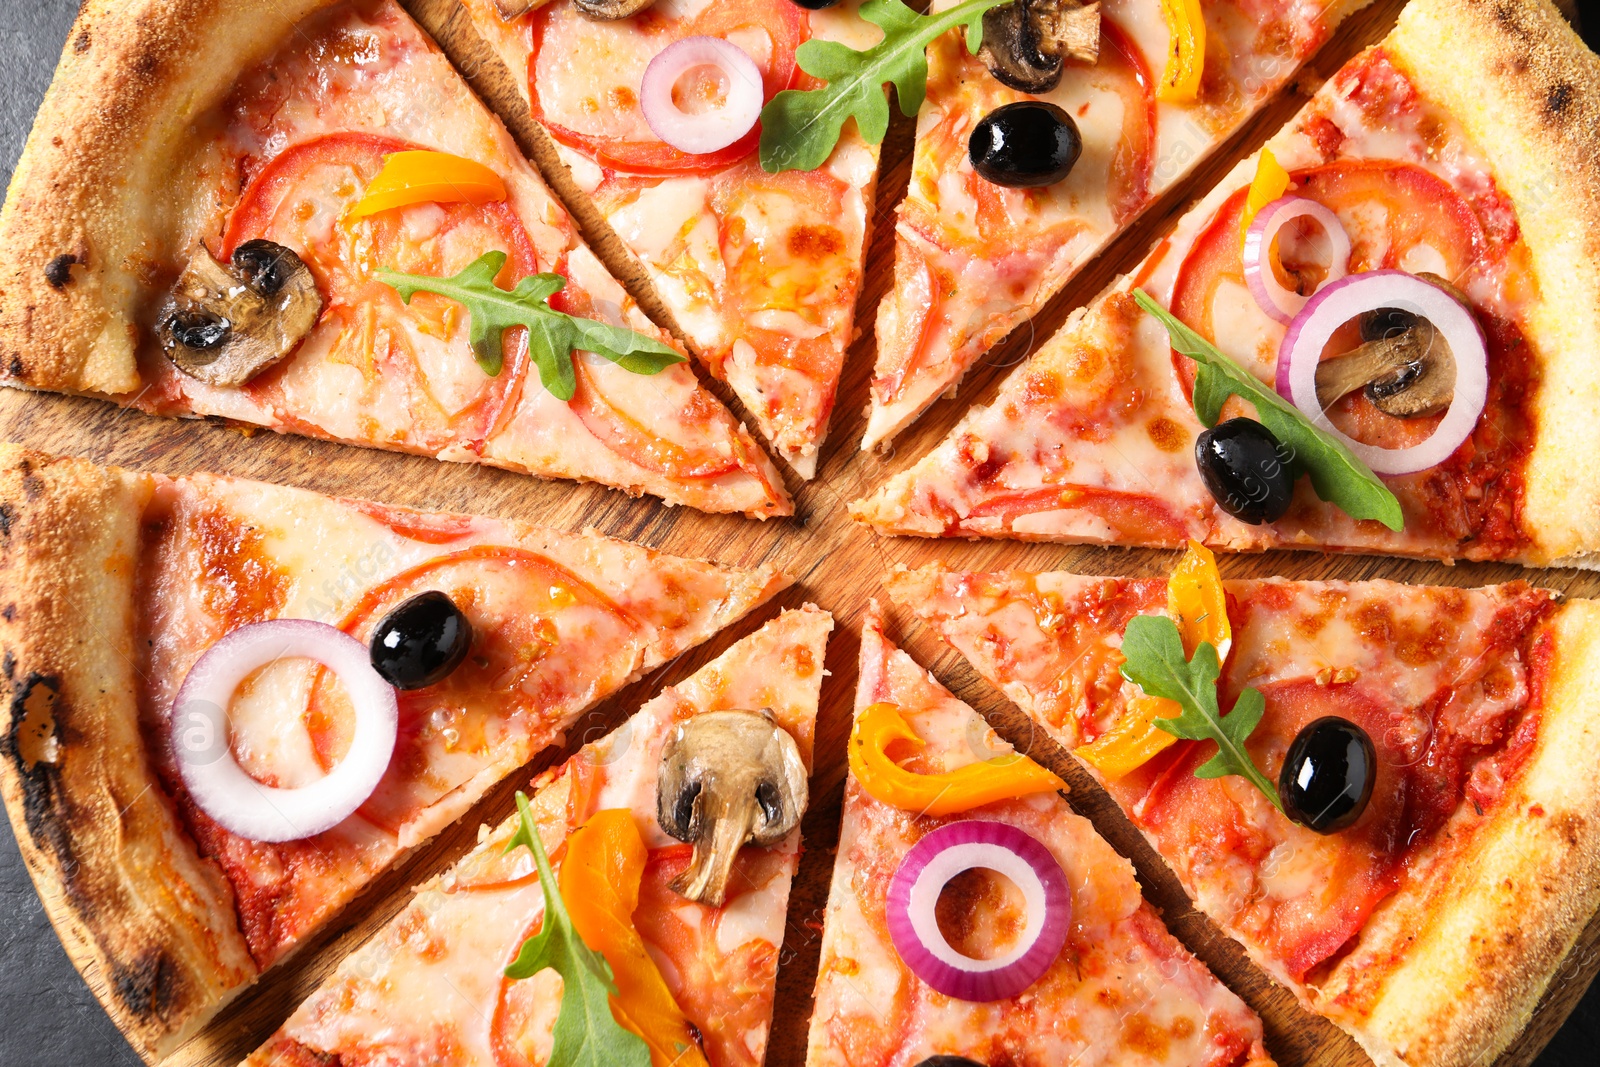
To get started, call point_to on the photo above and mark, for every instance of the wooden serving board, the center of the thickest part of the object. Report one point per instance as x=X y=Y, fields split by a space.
x=837 y=563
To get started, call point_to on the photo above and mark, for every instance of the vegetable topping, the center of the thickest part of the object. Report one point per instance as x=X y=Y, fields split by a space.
x=552 y=335
x=1264 y=256
x=727 y=777
x=204 y=751
x=421 y=641
x=950 y=793
x=1246 y=469
x=1328 y=774
x=701 y=94
x=1023 y=144
x=1186 y=54
x=931 y=864
x=1025 y=41
x=1271 y=182
x=223 y=325
x=422 y=177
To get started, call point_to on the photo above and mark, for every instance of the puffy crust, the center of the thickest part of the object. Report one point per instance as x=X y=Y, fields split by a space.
x=1450 y=970
x=121 y=882
x=1538 y=124
x=96 y=192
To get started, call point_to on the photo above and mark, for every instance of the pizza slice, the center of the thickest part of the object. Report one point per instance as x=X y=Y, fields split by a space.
x=760 y=270
x=232 y=704
x=1111 y=106
x=1117 y=989
x=1384 y=792
x=1398 y=297
x=324 y=232
x=693 y=973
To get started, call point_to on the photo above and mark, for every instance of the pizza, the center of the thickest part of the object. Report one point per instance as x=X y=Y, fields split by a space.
x=760 y=271
x=1402 y=283
x=266 y=234
x=693 y=978
x=1117 y=990
x=189 y=818
x=982 y=244
x=1382 y=791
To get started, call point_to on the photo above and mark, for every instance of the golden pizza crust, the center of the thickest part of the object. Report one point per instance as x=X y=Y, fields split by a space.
x=151 y=925
x=1450 y=969
x=97 y=192
x=1527 y=92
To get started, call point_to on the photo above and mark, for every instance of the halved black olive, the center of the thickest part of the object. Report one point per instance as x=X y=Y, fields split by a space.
x=1328 y=775
x=948 y=1061
x=420 y=641
x=1246 y=469
x=815 y=5
x=1025 y=144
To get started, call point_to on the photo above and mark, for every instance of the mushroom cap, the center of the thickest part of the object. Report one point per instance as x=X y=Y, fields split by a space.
x=611 y=10
x=1024 y=42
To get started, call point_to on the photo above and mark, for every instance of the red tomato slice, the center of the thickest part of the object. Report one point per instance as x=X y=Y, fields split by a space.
x=916 y=299
x=524 y=671
x=1136 y=518
x=605 y=121
x=629 y=438
x=1135 y=156
x=299 y=199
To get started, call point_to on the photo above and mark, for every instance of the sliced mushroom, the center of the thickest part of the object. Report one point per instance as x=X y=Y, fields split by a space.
x=727 y=777
x=1025 y=42
x=511 y=9
x=226 y=324
x=611 y=10
x=1403 y=366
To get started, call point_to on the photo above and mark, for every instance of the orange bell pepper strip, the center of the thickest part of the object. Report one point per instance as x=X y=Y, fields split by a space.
x=600 y=879
x=1199 y=606
x=1271 y=181
x=1186 y=54
x=428 y=177
x=947 y=793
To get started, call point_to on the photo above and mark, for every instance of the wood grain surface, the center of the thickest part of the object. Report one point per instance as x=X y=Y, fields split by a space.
x=838 y=565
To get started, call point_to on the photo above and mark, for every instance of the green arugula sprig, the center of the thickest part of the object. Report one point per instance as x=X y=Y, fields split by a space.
x=552 y=335
x=1155 y=663
x=799 y=127
x=1337 y=475
x=586 y=1033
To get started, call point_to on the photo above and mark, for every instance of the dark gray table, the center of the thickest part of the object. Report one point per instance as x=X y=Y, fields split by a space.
x=47 y=1016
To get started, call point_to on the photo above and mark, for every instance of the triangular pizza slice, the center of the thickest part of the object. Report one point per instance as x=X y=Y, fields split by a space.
x=232 y=704
x=984 y=239
x=1394 y=298
x=1118 y=989
x=1384 y=792
x=760 y=271
x=432 y=987
x=315 y=231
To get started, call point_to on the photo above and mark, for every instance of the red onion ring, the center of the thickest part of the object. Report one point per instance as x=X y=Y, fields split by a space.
x=216 y=782
x=945 y=853
x=1273 y=298
x=1338 y=303
x=709 y=131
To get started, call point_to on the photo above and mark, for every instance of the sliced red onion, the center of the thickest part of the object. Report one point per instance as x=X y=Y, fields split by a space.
x=1273 y=298
x=200 y=741
x=1343 y=300
x=945 y=853
x=717 y=128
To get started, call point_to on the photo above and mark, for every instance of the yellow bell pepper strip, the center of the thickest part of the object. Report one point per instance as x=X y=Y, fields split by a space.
x=1271 y=181
x=428 y=177
x=1197 y=603
x=948 y=793
x=1186 y=54
x=600 y=886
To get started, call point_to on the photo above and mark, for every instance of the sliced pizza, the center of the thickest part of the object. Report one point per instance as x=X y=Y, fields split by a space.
x=1399 y=297
x=1033 y=154
x=653 y=109
x=1384 y=792
x=232 y=704
x=974 y=918
x=710 y=776
x=322 y=231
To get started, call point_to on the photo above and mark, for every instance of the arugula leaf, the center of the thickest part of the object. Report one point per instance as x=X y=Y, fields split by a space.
x=552 y=335
x=1337 y=475
x=586 y=1033
x=799 y=127
x=1155 y=662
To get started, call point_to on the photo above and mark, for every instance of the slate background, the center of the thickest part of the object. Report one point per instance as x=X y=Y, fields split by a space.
x=47 y=1016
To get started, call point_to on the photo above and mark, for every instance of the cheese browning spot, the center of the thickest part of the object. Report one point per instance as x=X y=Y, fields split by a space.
x=239 y=583
x=815 y=243
x=1166 y=434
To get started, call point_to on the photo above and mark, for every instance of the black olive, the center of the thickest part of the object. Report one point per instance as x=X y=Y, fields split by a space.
x=815 y=5
x=421 y=641
x=265 y=265
x=1380 y=323
x=1028 y=143
x=1327 y=776
x=948 y=1061
x=1246 y=469
x=197 y=329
